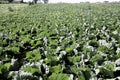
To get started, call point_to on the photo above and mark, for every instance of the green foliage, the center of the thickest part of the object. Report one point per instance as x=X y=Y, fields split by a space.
x=35 y=43
x=70 y=48
x=59 y=76
x=103 y=49
x=4 y=68
x=74 y=59
x=97 y=58
x=33 y=70
x=33 y=55
x=75 y=70
x=81 y=77
x=53 y=42
x=93 y=43
x=56 y=69
x=106 y=72
x=110 y=66
x=3 y=42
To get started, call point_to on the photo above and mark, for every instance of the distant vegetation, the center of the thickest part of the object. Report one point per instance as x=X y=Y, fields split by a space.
x=8 y=8
x=22 y=1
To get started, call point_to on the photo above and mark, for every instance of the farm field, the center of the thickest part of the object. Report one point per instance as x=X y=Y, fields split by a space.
x=60 y=42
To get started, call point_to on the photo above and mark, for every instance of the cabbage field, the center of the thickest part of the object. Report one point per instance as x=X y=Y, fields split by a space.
x=61 y=42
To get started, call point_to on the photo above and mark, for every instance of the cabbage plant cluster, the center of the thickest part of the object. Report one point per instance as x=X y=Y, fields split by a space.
x=61 y=42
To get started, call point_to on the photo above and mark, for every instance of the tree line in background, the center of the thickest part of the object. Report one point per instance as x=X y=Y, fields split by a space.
x=22 y=1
